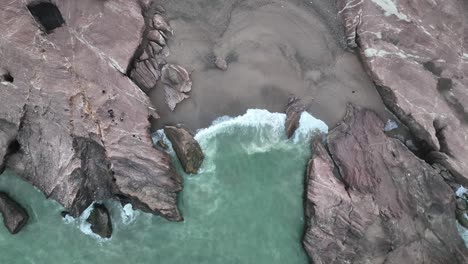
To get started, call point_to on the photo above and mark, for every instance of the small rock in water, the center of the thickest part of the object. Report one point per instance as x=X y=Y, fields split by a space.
x=100 y=221
x=294 y=111
x=186 y=147
x=162 y=144
x=14 y=215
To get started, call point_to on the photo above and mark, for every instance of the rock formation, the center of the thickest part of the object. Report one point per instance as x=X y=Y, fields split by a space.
x=100 y=221
x=71 y=122
x=151 y=66
x=294 y=110
x=15 y=217
x=177 y=84
x=186 y=147
x=417 y=54
x=381 y=204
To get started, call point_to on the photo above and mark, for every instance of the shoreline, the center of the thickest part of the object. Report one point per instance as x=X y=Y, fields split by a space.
x=292 y=52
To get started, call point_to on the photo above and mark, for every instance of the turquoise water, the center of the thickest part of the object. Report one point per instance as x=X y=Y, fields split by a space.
x=245 y=206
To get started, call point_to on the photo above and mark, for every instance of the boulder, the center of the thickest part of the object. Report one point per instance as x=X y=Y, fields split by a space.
x=71 y=122
x=177 y=83
x=294 y=110
x=14 y=215
x=380 y=204
x=416 y=53
x=100 y=221
x=186 y=147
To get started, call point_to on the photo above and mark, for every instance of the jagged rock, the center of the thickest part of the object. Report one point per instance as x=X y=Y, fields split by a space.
x=154 y=48
x=80 y=125
x=416 y=53
x=161 y=24
x=156 y=37
x=177 y=83
x=294 y=110
x=382 y=205
x=186 y=147
x=15 y=217
x=146 y=70
x=100 y=221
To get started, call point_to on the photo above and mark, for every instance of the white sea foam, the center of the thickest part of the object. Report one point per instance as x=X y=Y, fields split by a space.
x=128 y=214
x=262 y=118
x=83 y=225
x=264 y=139
x=461 y=191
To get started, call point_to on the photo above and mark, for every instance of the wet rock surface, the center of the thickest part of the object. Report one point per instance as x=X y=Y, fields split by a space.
x=416 y=52
x=72 y=123
x=186 y=147
x=14 y=215
x=100 y=221
x=293 y=111
x=380 y=204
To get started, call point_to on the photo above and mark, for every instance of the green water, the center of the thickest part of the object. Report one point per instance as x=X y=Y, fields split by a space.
x=244 y=207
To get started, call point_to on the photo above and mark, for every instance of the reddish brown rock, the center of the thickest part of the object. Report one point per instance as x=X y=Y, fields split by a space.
x=177 y=84
x=294 y=110
x=71 y=122
x=417 y=54
x=186 y=147
x=151 y=66
x=382 y=204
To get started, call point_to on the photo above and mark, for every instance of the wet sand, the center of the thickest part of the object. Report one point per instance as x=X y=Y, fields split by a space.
x=273 y=49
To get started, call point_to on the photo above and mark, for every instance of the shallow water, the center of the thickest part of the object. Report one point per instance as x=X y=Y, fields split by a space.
x=245 y=206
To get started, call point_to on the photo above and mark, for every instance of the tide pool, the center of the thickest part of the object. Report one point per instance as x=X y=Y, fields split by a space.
x=245 y=206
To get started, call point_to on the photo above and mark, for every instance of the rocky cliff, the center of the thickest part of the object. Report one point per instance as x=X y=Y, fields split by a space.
x=416 y=52
x=72 y=123
x=369 y=199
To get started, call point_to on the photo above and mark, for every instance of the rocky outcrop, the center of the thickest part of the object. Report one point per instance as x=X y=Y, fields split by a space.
x=15 y=217
x=380 y=204
x=294 y=110
x=177 y=84
x=417 y=54
x=71 y=122
x=186 y=147
x=150 y=64
x=100 y=221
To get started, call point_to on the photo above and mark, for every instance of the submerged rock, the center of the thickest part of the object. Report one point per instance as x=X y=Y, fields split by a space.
x=15 y=217
x=186 y=147
x=78 y=124
x=294 y=111
x=100 y=221
x=417 y=56
x=382 y=204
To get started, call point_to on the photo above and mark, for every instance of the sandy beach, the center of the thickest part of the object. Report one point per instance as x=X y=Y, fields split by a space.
x=273 y=49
